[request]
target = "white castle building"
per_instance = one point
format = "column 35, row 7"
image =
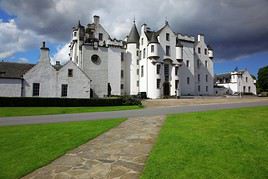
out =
column 159, row 63
column 237, row 81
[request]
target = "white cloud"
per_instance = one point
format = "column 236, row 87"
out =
column 23, row 60
column 15, row 40
column 61, row 55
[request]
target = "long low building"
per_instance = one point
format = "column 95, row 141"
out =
column 43, row 79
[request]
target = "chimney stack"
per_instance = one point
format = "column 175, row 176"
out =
column 96, row 20
column 44, row 53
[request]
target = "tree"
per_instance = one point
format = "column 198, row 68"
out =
column 262, row 82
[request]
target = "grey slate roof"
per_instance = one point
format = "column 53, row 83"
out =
column 133, row 36
column 153, row 38
column 178, row 43
column 14, row 70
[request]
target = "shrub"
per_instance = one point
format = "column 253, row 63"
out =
column 64, row 102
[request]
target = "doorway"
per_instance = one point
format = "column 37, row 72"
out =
column 166, row 89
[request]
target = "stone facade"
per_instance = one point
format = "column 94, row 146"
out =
column 52, row 79
column 238, row 81
column 159, row 63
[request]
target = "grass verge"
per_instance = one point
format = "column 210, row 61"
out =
column 32, row 111
column 28, row 147
column 214, row 144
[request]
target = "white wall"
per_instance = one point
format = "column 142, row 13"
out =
column 10, row 87
column 114, row 69
column 78, row 84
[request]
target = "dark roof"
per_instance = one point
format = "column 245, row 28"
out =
column 153, row 38
column 223, row 76
column 209, row 47
column 133, row 36
column 14, row 70
column 178, row 43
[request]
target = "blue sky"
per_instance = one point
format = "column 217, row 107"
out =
column 235, row 45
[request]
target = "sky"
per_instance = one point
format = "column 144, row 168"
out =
column 236, row 30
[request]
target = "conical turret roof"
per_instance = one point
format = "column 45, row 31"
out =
column 153, row 38
column 133, row 36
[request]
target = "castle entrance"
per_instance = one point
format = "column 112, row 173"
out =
column 166, row 89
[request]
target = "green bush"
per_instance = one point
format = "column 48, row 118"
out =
column 62, row 102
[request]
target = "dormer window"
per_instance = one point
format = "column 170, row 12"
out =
column 167, row 36
column 141, row 41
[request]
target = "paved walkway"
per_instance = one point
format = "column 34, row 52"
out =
column 119, row 153
column 123, row 114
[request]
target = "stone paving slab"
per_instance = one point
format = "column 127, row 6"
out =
column 119, row 153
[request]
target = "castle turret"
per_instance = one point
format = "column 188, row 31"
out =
column 179, row 51
column 210, row 52
column 153, row 47
column 132, row 57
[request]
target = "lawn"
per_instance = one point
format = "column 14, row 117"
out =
column 28, row 147
column 31, row 111
column 215, row 144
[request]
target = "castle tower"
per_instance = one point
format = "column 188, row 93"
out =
column 75, row 46
column 132, row 63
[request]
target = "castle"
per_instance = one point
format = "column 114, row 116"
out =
column 151, row 63
column 158, row 63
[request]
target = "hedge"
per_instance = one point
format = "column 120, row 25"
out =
column 64, row 102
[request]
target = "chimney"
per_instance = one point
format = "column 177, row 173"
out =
column 44, row 53
column 96, row 20
column 144, row 28
column 200, row 37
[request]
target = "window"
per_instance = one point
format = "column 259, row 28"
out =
column 152, row 48
column 166, row 72
column 198, row 88
column 187, row 63
column 137, row 62
column 206, row 78
column 158, row 81
column 167, row 36
column 244, row 89
column 122, row 86
column 138, row 83
column 206, row 51
column 167, row 50
column 198, row 77
column 70, row 72
column 246, row 79
column 141, row 41
column 176, row 71
column 64, row 89
column 95, row 59
column 122, row 73
column 138, row 71
column 249, row 89
column 144, row 53
column 122, row 56
column 188, row 80
column 199, row 50
column 36, row 88
column 176, row 84
column 75, row 34
column 142, row 71
column 206, row 63
column 100, row 36
column 206, row 88
column 158, row 68
column 198, row 63
column 137, row 53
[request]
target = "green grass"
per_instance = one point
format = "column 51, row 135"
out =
column 28, row 147
column 214, row 144
column 32, row 111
